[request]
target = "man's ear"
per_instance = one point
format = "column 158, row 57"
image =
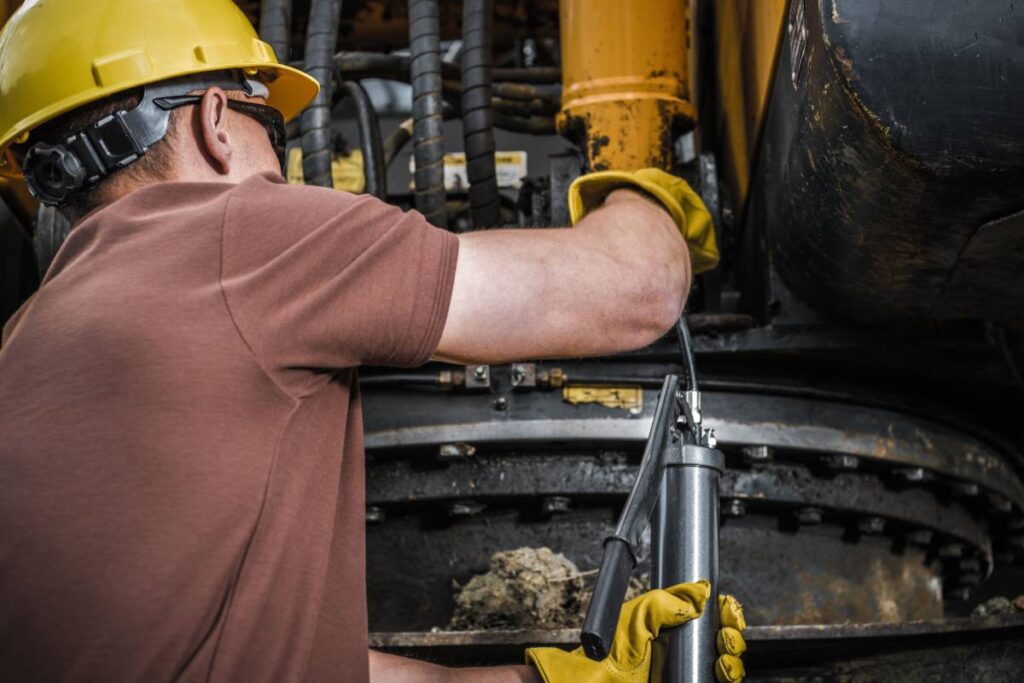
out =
column 213, row 130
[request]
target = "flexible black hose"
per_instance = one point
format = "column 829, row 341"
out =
column 374, row 168
column 276, row 26
column 478, row 112
column 427, row 110
column 686, row 350
column 321, row 36
column 396, row 140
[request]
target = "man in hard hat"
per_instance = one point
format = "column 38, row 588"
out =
column 181, row 444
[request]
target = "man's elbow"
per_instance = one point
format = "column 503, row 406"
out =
column 663, row 301
column 671, row 289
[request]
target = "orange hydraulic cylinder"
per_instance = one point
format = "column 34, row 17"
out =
column 625, row 85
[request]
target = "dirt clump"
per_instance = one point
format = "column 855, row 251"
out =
column 527, row 588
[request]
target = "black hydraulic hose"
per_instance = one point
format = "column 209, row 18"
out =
column 478, row 112
column 276, row 26
column 427, row 110
column 321, row 36
column 396, row 140
column 374, row 168
column 686, row 351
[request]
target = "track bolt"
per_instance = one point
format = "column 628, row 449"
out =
column 374, row 514
column 465, row 508
column 500, row 403
column 952, row 550
column 961, row 593
column 809, row 516
column 841, row 463
column 1004, row 558
column 970, row 565
column 455, row 451
column 912, row 475
column 998, row 503
column 734, row 508
column 871, row 525
column 920, row 537
column 972, row 579
column 551, row 505
column 756, row 454
column 964, row 489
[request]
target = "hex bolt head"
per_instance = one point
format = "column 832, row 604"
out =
column 500, row 403
column 551, row 505
column 920, row 537
column 734, row 508
column 961, row 593
column 964, row 489
column 952, row 550
column 1004, row 557
column 912, row 475
column 970, row 565
column 480, row 372
column 998, row 503
column 374, row 514
column 871, row 525
column 839, row 462
column 455, row 451
column 465, row 508
column 756, row 454
column 971, row 579
column 809, row 515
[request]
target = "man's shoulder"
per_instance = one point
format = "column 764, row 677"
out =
column 292, row 211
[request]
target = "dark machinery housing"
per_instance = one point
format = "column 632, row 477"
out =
column 861, row 347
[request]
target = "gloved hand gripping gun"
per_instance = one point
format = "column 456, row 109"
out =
column 678, row 483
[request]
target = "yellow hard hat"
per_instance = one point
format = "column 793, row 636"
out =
column 57, row 55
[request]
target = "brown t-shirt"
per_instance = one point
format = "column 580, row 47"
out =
column 181, row 443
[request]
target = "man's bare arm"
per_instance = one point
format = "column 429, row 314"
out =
column 385, row 668
column 616, row 281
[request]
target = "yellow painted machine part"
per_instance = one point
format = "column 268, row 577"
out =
column 625, row 86
column 747, row 37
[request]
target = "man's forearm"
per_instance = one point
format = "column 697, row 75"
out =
column 615, row 282
column 385, row 668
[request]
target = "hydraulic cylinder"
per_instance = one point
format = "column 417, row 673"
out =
column 625, row 84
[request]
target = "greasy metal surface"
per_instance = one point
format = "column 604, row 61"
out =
column 853, row 634
column 954, row 650
column 488, row 477
column 625, row 86
column 798, row 425
column 890, row 139
column 992, row 258
column 783, row 575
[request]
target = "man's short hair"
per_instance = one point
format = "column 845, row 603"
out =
column 150, row 165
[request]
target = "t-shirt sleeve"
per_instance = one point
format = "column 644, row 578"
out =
column 317, row 279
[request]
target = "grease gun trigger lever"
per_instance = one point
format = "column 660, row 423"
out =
column 620, row 549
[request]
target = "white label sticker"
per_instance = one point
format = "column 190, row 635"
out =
column 510, row 167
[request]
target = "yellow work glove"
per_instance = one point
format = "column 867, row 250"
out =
column 684, row 205
column 640, row 622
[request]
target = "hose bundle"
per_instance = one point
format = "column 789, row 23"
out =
column 321, row 36
column 478, row 112
column 276, row 26
column 427, row 110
